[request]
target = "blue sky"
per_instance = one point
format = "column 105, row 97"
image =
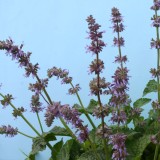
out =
column 55, row 32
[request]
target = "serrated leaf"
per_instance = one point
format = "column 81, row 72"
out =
column 56, row 148
column 150, row 87
column 136, row 147
column 90, row 155
column 92, row 105
column 141, row 102
column 39, row 144
column 64, row 153
column 59, row 131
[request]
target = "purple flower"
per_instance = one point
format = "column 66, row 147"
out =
column 18, row 112
column 116, row 16
column 74, row 90
column 8, row 131
column 120, row 59
column 95, row 89
column 36, row 106
column 119, row 117
column 118, row 142
column 18, row 54
column 96, row 66
column 156, row 22
column 155, row 44
column 118, row 42
column 70, row 115
column 155, row 73
column 97, row 44
column 156, row 5
column 52, row 112
column 7, row 100
column 156, row 105
column 38, row 86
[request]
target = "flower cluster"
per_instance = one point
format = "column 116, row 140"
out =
column 18, row 54
column 63, row 74
column 70, row 115
column 7, row 100
column 36, row 105
column 18, row 112
column 38, row 86
column 156, row 5
column 8, row 131
column 119, row 149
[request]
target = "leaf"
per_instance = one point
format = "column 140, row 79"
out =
column 92, row 105
column 59, row 131
column 56, row 148
column 90, row 155
column 141, row 102
column 150, row 87
column 64, row 153
column 136, row 146
column 39, row 144
column 79, row 108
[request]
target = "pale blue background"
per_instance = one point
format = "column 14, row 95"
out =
column 55, row 31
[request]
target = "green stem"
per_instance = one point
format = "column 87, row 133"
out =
column 86, row 114
column 156, row 152
column 29, row 124
column 25, row 135
column 158, row 82
column 39, row 121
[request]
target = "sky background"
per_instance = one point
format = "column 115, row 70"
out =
column 55, row 32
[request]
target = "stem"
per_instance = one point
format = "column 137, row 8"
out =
column 39, row 121
column 25, row 135
column 102, row 115
column 158, row 82
column 86, row 114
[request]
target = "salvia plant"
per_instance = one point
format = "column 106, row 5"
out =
column 114, row 139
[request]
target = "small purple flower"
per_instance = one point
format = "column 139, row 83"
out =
column 156, row 22
column 74, row 90
column 18, row 112
column 7, row 100
column 38, row 86
column 95, row 90
column 118, row 142
column 155, row 72
column 8, row 131
column 116, row 16
column 118, row 42
column 156, row 5
column 156, row 105
column 52, row 112
column 119, row 117
column 96, row 66
column 97, row 44
column 36, row 106
column 31, row 70
column 121, row 59
column 155, row 44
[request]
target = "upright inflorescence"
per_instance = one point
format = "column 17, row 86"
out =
column 155, row 72
column 70, row 115
column 118, row 89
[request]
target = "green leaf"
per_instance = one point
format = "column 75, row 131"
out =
column 92, row 105
column 59, row 131
column 151, row 87
column 69, row 151
column 79, row 108
column 136, row 146
column 141, row 102
column 56, row 148
column 90, row 155
column 39, row 144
